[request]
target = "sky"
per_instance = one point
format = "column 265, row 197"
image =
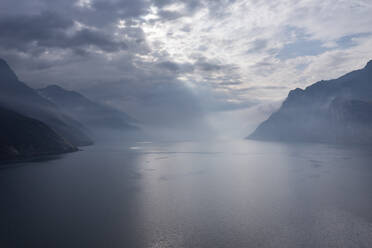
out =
column 178, row 63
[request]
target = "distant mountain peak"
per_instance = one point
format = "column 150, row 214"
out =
column 3, row 62
column 55, row 90
column 369, row 65
column 6, row 72
column 92, row 114
column 333, row 111
column 54, row 87
column 17, row 96
column 296, row 92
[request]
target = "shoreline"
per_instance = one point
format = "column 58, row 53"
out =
column 34, row 158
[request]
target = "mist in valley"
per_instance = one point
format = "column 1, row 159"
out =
column 173, row 123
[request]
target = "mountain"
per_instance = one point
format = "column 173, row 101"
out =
column 91, row 114
column 333, row 111
column 23, row 137
column 17, row 96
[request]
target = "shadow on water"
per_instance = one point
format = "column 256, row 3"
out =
column 84, row 199
column 237, row 194
column 28, row 161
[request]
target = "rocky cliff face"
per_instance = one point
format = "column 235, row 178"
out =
column 24, row 137
column 335, row 111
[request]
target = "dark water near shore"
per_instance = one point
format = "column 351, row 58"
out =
column 226, row 194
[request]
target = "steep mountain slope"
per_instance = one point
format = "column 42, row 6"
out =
column 23, row 137
column 17, row 96
column 335, row 111
column 91, row 114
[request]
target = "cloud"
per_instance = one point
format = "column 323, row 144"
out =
column 124, row 8
column 348, row 41
column 37, row 33
column 180, row 56
column 168, row 65
column 258, row 45
column 163, row 103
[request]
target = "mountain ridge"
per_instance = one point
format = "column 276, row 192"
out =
column 23, row 137
column 17, row 96
column 92, row 114
column 310, row 114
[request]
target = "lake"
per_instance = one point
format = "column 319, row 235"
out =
column 191, row 194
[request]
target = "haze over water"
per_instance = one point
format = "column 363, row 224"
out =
column 186, row 194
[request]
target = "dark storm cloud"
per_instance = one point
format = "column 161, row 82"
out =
column 215, row 7
column 19, row 31
column 191, row 4
column 168, row 65
column 167, row 15
column 50, row 30
column 124, row 8
column 43, row 42
column 33, row 26
column 208, row 66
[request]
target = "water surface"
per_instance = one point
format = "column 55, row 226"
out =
column 185, row 194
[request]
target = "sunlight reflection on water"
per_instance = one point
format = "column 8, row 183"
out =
column 185, row 194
